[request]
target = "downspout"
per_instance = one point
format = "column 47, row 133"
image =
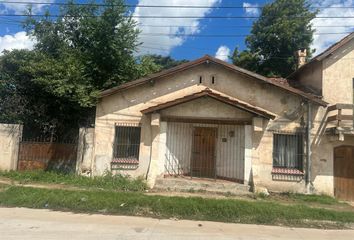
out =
column 308, row 145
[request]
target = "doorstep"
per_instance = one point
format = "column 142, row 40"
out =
column 200, row 185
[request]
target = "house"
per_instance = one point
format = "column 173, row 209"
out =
column 211, row 119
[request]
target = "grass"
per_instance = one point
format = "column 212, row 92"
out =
column 193, row 208
column 106, row 182
column 307, row 198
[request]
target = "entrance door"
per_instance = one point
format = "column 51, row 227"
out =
column 344, row 173
column 203, row 157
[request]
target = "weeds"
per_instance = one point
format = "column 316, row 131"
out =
column 194, row 208
column 107, row 181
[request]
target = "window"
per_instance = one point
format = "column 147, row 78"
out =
column 200, row 79
column 127, row 143
column 212, row 79
column 288, row 151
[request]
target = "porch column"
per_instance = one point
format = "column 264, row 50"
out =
column 158, row 149
column 248, row 154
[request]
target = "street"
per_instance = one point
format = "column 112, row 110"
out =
column 22, row 223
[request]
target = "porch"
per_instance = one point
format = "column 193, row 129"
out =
column 207, row 150
column 204, row 135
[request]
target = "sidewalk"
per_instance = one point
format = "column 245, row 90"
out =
column 30, row 224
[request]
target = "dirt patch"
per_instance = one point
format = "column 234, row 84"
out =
column 7, row 182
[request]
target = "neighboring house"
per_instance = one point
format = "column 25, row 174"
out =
column 208, row 118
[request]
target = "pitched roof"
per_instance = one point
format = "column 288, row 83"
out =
column 207, row 60
column 326, row 53
column 209, row 93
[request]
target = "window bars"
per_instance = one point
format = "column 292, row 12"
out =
column 126, row 146
column 288, row 150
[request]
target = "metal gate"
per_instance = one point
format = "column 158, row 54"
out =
column 38, row 154
column 205, row 150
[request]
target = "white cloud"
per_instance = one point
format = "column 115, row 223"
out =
column 17, row 41
column 223, row 53
column 20, row 8
column 164, row 44
column 251, row 9
column 321, row 42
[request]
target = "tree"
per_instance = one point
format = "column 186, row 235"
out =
column 98, row 41
column 283, row 27
column 86, row 49
column 165, row 62
column 24, row 99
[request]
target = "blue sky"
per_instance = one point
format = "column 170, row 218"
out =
column 12, row 35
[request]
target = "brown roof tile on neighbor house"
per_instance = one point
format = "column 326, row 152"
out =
column 326, row 53
column 208, row 60
column 209, row 93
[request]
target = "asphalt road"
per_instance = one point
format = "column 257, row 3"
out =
column 22, row 223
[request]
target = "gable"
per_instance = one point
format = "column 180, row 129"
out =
column 208, row 102
column 207, row 61
column 206, row 108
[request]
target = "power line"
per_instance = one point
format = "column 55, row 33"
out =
column 227, row 26
column 157, row 6
column 214, row 50
column 170, row 17
column 210, row 26
column 219, row 35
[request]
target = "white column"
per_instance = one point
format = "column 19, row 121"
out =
column 248, row 153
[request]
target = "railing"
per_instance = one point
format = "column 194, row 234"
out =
column 341, row 114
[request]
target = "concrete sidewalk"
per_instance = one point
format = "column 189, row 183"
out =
column 22, row 223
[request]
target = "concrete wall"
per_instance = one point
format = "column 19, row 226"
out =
column 311, row 76
column 125, row 107
column 10, row 135
column 85, row 151
column 338, row 74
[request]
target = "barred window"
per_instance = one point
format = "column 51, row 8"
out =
column 288, row 151
column 127, row 142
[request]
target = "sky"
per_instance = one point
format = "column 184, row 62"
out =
column 192, row 46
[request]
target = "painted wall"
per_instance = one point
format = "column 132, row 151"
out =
column 126, row 105
column 338, row 74
column 10, row 135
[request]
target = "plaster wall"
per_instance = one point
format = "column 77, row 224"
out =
column 125, row 106
column 10, row 135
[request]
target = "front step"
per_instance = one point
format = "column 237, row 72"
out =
column 179, row 184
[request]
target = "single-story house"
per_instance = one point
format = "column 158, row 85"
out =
column 210, row 119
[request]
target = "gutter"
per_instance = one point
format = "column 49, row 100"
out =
column 308, row 145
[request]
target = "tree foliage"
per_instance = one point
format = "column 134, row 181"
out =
column 87, row 49
column 165, row 62
column 284, row 27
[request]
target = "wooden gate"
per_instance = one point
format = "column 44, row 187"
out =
column 47, row 156
column 344, row 172
column 203, row 157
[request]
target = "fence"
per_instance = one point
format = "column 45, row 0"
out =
column 39, row 154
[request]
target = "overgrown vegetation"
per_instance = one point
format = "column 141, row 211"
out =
column 88, row 48
column 106, row 182
column 194, row 208
column 320, row 199
column 284, row 26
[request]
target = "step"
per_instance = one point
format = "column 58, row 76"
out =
column 201, row 185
